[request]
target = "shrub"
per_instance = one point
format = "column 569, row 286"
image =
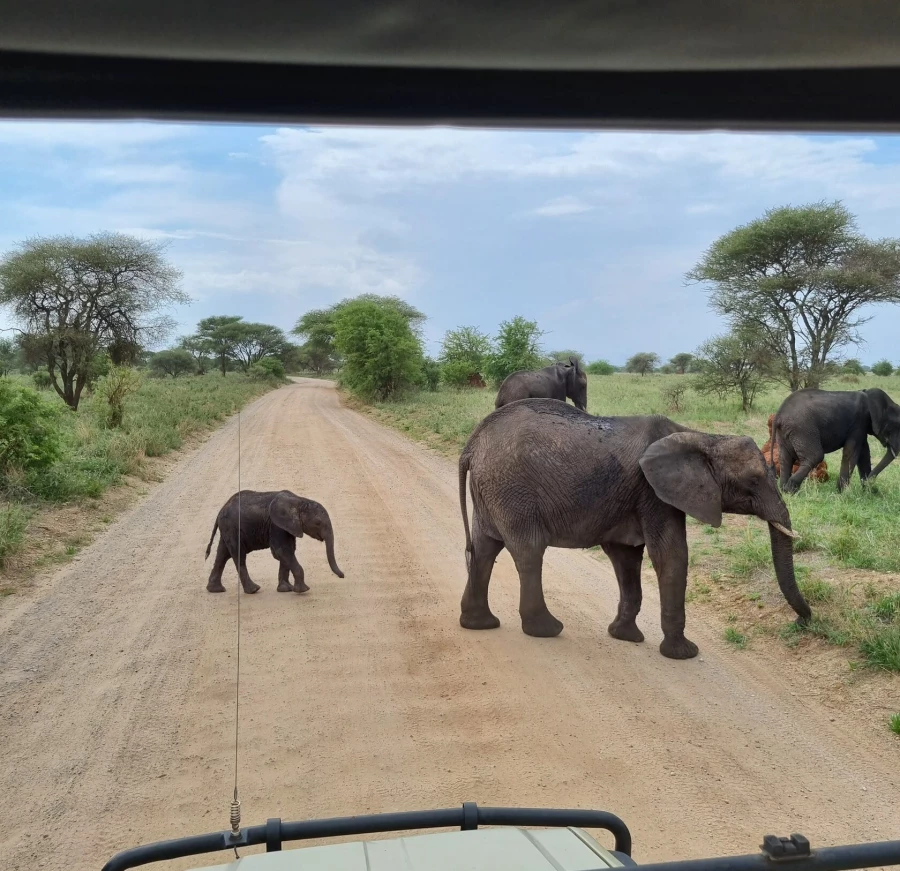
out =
column 115, row 387
column 673, row 395
column 42, row 379
column 883, row 368
column 431, row 373
column 463, row 355
column 29, row 436
column 601, row 367
column 642, row 363
column 517, row 348
column 267, row 368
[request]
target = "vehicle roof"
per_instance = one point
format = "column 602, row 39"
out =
column 677, row 63
column 664, row 35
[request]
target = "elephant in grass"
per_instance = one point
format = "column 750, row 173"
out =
column 558, row 381
column 273, row 520
column 811, row 423
column 544, row 474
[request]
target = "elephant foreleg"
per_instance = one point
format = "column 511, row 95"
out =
column 626, row 561
column 284, row 583
column 297, row 572
column 669, row 553
column 849, row 460
column 214, row 584
column 536, row 617
column 475, row 613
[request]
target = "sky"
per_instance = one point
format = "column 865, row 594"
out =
column 590, row 234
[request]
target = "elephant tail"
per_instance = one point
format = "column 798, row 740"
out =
column 463, row 472
column 209, row 546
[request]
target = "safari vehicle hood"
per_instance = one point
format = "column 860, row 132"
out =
column 569, row 849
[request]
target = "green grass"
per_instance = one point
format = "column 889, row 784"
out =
column 158, row 419
column 894, row 723
column 13, row 523
column 881, row 648
column 735, row 638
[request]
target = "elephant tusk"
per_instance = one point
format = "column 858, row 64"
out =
column 788, row 532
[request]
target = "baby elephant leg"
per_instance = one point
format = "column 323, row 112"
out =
column 284, row 583
column 214, row 584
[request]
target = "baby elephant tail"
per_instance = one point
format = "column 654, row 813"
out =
column 209, row 546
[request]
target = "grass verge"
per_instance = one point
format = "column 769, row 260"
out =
column 42, row 520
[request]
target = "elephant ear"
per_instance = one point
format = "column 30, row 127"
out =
column 678, row 470
column 285, row 512
column 879, row 410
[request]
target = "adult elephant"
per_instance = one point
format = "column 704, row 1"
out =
column 559, row 381
column 271, row 520
column 811, row 423
column 544, row 474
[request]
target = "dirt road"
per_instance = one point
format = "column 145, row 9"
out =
column 117, row 689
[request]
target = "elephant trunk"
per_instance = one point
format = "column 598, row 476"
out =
column 329, row 552
column 783, row 560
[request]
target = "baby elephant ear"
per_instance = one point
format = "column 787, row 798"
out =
column 678, row 470
column 284, row 511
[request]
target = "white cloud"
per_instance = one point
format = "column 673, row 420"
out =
column 561, row 207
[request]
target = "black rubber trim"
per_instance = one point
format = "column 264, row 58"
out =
column 372, row 823
column 273, row 835
column 49, row 85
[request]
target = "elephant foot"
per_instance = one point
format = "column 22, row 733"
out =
column 678, row 647
column 301, row 588
column 215, row 588
column 483, row 619
column 625, row 630
column 251, row 588
column 543, row 625
column 285, row 587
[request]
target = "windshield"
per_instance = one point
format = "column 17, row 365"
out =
column 356, row 327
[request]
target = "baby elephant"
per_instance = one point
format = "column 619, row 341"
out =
column 273, row 520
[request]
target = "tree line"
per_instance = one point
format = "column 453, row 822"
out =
column 794, row 287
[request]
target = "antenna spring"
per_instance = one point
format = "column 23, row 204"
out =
column 235, row 817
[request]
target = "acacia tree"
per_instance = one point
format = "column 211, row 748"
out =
column 680, row 363
column 218, row 335
column 800, row 277
column 252, row 342
column 642, row 363
column 76, row 299
column 198, row 348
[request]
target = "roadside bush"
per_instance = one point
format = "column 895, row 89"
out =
column 382, row 355
column 115, row 387
column 269, row 368
column 29, row 438
column 883, row 368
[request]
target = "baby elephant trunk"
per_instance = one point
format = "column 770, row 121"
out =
column 329, row 552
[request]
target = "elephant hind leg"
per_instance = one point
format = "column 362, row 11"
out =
column 536, row 617
column 475, row 613
column 626, row 561
column 214, row 584
column 246, row 581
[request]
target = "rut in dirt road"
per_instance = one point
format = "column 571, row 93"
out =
column 117, row 698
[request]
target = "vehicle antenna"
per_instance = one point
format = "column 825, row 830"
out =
column 235, row 816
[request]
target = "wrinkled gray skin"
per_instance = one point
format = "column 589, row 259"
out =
column 544, row 474
column 273, row 520
column 558, row 381
column 812, row 423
